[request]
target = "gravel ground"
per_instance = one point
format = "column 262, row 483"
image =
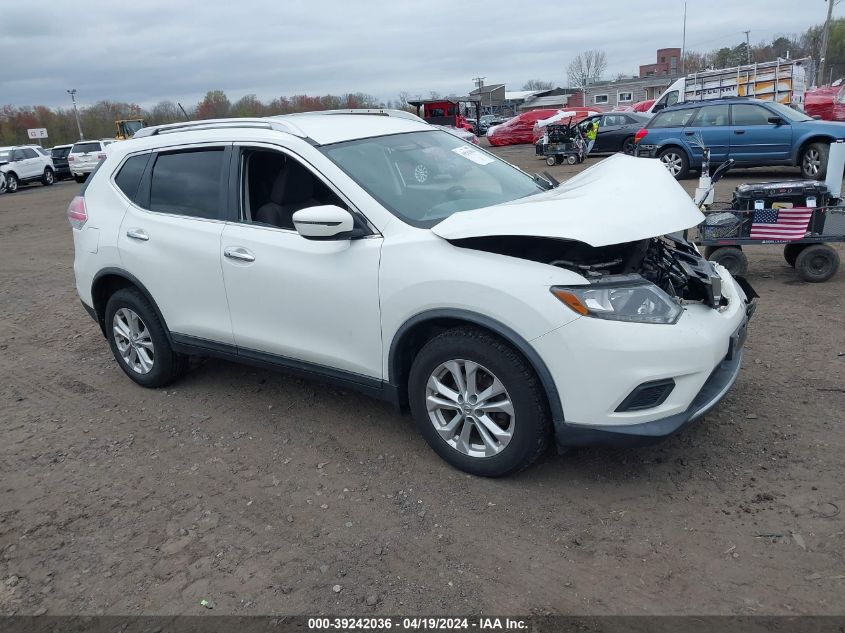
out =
column 266, row 494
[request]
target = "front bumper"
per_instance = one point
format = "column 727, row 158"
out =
column 596, row 365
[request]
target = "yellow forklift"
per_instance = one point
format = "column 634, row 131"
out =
column 125, row 128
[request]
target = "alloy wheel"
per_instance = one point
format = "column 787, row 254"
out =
column 11, row 183
column 133, row 341
column 470, row 408
column 48, row 177
column 812, row 162
column 673, row 162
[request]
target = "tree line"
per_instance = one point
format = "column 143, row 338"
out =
column 97, row 120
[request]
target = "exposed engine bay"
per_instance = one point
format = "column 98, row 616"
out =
column 669, row 262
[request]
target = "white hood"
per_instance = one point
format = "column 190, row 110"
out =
column 621, row 199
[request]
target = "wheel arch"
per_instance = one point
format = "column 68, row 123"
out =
column 674, row 144
column 110, row 280
column 416, row 331
column 813, row 138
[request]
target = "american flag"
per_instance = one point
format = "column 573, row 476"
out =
column 780, row 224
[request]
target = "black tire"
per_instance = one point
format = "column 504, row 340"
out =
column 167, row 364
column 817, row 263
column 791, row 252
column 629, row 146
column 732, row 258
column 550, row 161
column 531, row 420
column 80, row 179
column 48, row 178
column 12, row 182
column 814, row 161
column 676, row 162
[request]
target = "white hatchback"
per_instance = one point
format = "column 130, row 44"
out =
column 502, row 309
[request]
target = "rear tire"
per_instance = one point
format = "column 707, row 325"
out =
column 12, row 183
column 550, row 161
column 791, row 252
column 732, row 258
column 814, row 161
column 79, row 178
column 629, row 146
column 48, row 178
column 675, row 161
column 143, row 337
column 817, row 263
column 511, row 426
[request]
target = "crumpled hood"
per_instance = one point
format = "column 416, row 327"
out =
column 621, row 199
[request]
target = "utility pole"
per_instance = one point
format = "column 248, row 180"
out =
column 748, row 45
column 72, row 93
column 825, row 37
column 684, row 39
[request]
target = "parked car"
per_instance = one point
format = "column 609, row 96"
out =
column 22, row 165
column 59, row 155
column 754, row 133
column 826, row 102
column 520, row 129
column 500, row 310
column 616, row 131
column 84, row 157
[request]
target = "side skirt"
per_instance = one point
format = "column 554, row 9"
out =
column 372, row 387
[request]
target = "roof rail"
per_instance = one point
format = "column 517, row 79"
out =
column 269, row 123
column 400, row 114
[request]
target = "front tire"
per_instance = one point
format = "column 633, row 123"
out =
column 814, row 161
column 138, row 341
column 12, row 183
column 478, row 403
column 817, row 263
column 675, row 160
column 48, row 178
column 732, row 258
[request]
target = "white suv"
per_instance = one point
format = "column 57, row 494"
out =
column 84, row 157
column 500, row 309
column 22, row 164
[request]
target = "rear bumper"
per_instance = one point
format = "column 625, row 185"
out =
column 717, row 385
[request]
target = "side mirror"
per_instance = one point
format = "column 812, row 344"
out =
column 325, row 222
column 657, row 107
column 775, row 120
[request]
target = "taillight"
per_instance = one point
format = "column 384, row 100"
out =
column 70, row 159
column 640, row 135
column 101, row 156
column 77, row 214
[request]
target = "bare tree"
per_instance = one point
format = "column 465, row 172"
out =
column 586, row 68
column 537, row 84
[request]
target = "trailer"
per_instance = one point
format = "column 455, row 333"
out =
column 782, row 80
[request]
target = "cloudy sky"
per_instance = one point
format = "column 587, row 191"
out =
column 146, row 51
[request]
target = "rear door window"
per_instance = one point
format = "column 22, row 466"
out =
column 129, row 175
column 673, row 118
column 713, row 115
column 28, row 152
column 83, row 148
column 188, row 183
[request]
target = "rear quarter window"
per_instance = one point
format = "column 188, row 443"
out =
column 673, row 118
column 128, row 177
column 82, row 148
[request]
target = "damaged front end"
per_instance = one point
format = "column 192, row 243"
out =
column 669, row 263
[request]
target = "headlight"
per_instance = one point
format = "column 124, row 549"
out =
column 635, row 302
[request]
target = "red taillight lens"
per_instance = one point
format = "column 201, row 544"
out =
column 101, row 156
column 640, row 135
column 70, row 159
column 77, row 214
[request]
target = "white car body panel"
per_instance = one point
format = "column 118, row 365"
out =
column 601, row 205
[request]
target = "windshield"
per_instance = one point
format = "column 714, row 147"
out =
column 130, row 127
column 788, row 113
column 424, row 177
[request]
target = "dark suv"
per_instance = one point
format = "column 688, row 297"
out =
column 754, row 133
column 59, row 154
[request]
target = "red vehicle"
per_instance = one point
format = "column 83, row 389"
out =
column 448, row 111
column 520, row 129
column 639, row 106
column 827, row 102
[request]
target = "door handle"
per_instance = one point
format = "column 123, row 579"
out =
column 138, row 234
column 690, row 133
column 739, row 131
column 239, row 253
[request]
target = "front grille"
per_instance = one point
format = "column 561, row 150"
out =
column 647, row 395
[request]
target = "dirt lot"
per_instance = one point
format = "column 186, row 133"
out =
column 261, row 492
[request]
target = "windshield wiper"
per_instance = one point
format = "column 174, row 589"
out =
column 546, row 181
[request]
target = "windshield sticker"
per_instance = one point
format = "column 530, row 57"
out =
column 473, row 154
